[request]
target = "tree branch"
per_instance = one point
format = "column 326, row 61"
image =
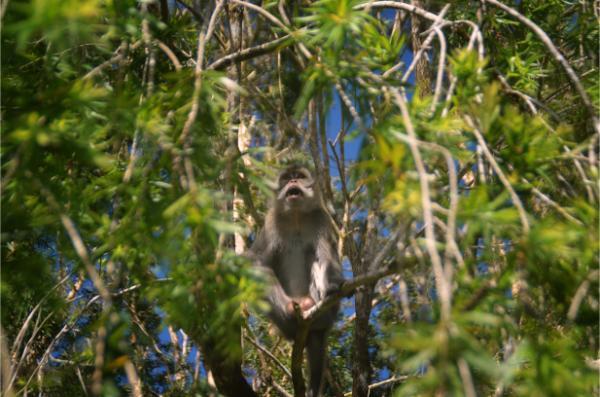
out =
column 252, row 52
column 401, row 6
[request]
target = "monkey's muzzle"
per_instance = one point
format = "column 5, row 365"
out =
column 294, row 193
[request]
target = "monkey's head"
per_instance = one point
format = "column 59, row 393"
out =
column 296, row 191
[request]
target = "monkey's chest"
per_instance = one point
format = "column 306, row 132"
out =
column 294, row 269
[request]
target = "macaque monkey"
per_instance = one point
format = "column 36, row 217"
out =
column 295, row 249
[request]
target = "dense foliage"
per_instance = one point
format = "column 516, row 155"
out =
column 456, row 142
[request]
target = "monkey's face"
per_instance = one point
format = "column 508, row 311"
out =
column 296, row 191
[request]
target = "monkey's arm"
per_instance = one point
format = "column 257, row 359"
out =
column 326, row 276
column 280, row 301
column 263, row 257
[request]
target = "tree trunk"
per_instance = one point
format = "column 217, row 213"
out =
column 422, row 70
column 361, row 369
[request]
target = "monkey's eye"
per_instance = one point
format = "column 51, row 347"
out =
column 291, row 175
column 283, row 179
column 298, row 175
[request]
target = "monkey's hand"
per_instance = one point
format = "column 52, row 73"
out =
column 305, row 303
column 289, row 307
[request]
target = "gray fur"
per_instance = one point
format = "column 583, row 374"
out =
column 296, row 250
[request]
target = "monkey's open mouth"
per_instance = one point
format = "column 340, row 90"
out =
column 293, row 193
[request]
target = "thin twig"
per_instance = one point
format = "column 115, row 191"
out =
column 69, row 326
column 276, row 21
column 133, row 378
column 385, row 382
column 81, row 381
column 350, row 106
column 19, row 338
column 398, row 5
column 424, row 46
column 249, row 53
column 490, row 157
column 266, row 351
column 404, row 302
column 442, row 283
column 347, row 288
column 475, row 36
column 580, row 294
column 77, row 242
column 281, row 8
column 121, row 51
column 453, row 179
column 149, row 49
column 552, row 203
column 281, row 389
column 12, row 166
column 526, row 98
column 467, row 379
column 440, row 69
column 33, row 337
column 203, row 38
column 3, row 7
column 99, row 359
column 43, row 360
column 5, row 367
column 375, row 301
column 586, row 182
column 191, row 10
column 170, row 54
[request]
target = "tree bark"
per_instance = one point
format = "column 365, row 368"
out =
column 422, row 70
column 361, row 370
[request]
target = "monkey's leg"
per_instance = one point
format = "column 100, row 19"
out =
column 316, row 351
